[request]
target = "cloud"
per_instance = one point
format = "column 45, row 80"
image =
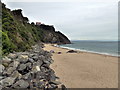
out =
column 77, row 20
column 60, row 0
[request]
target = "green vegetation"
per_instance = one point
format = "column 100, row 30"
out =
column 17, row 34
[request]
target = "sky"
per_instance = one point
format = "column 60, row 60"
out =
column 78, row 20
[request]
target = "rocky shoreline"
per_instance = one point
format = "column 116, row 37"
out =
column 28, row 70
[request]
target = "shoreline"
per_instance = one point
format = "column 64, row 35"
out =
column 85, row 51
column 84, row 69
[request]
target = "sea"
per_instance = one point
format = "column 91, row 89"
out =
column 101, row 47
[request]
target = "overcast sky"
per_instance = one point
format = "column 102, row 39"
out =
column 77, row 20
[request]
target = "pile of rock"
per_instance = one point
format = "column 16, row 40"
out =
column 30, row 69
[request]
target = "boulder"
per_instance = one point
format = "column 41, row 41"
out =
column 63, row 87
column 35, row 69
column 14, row 64
column 46, row 62
column 31, row 60
column 71, row 51
column 28, row 70
column 29, row 65
column 55, row 82
column 10, row 70
column 23, row 58
column 21, row 84
column 7, row 81
column 1, row 77
column 41, row 84
column 12, row 56
column 40, row 75
column 5, row 64
column 16, row 74
column 1, row 87
column 22, row 67
column 6, row 60
column 41, row 57
column 1, row 68
column 27, row 76
column 39, row 62
column 35, row 58
column 53, row 86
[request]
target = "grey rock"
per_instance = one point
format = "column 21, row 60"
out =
column 41, row 57
column 41, row 84
column 55, row 82
column 1, row 68
column 5, row 64
column 21, row 84
column 36, row 51
column 48, row 53
column 12, row 56
column 22, row 67
column 29, row 70
column 25, row 53
column 16, row 74
column 7, row 81
column 14, row 64
column 6, row 60
column 63, row 87
column 23, row 58
column 31, row 60
column 39, row 63
column 43, row 69
column 29, row 65
column 26, row 76
column 1, row 77
column 40, row 75
column 10, row 70
column 31, row 55
column 35, row 69
column 46, row 62
column 51, row 61
column 46, row 66
column 22, row 53
column 42, row 52
column 35, row 58
column 52, row 78
column 1, row 87
column 53, row 86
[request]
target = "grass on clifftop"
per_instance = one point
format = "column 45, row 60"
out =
column 17, row 35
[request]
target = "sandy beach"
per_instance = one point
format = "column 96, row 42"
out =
column 84, row 70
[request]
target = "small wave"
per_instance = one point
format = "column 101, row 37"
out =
column 103, row 53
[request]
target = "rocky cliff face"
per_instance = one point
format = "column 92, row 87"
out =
column 19, row 35
column 52, row 36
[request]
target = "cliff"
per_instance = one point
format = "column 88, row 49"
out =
column 52, row 36
column 19, row 35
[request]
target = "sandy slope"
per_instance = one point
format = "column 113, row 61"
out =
column 85, row 70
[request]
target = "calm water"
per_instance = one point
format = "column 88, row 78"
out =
column 102, row 47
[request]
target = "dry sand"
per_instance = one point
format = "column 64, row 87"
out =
column 84, row 70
